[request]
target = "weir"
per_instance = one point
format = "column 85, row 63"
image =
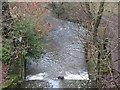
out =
column 65, row 56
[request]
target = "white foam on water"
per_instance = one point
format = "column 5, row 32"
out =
column 81, row 76
column 68, row 76
column 55, row 83
column 39, row 76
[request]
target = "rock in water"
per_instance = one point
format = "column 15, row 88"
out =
column 61, row 77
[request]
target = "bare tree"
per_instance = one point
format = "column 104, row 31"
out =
column 97, row 22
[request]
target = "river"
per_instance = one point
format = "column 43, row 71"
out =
column 64, row 57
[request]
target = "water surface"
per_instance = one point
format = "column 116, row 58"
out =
column 64, row 56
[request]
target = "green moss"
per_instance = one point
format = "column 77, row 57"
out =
column 8, row 77
column 91, row 69
column 11, row 83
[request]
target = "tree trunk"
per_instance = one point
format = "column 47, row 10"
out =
column 97, row 22
column 90, row 16
column 95, row 31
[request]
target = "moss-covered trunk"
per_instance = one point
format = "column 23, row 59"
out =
column 97, row 22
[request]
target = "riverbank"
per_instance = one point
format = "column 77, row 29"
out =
column 80, row 13
column 64, row 47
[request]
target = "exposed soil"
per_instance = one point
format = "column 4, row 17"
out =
column 4, row 72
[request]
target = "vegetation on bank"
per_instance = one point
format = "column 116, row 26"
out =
column 24, row 27
column 100, row 46
column 11, row 82
column 23, row 30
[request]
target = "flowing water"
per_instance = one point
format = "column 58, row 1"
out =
column 64, row 57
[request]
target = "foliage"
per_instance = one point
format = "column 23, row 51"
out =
column 24, row 29
column 11, row 82
column 26, row 33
